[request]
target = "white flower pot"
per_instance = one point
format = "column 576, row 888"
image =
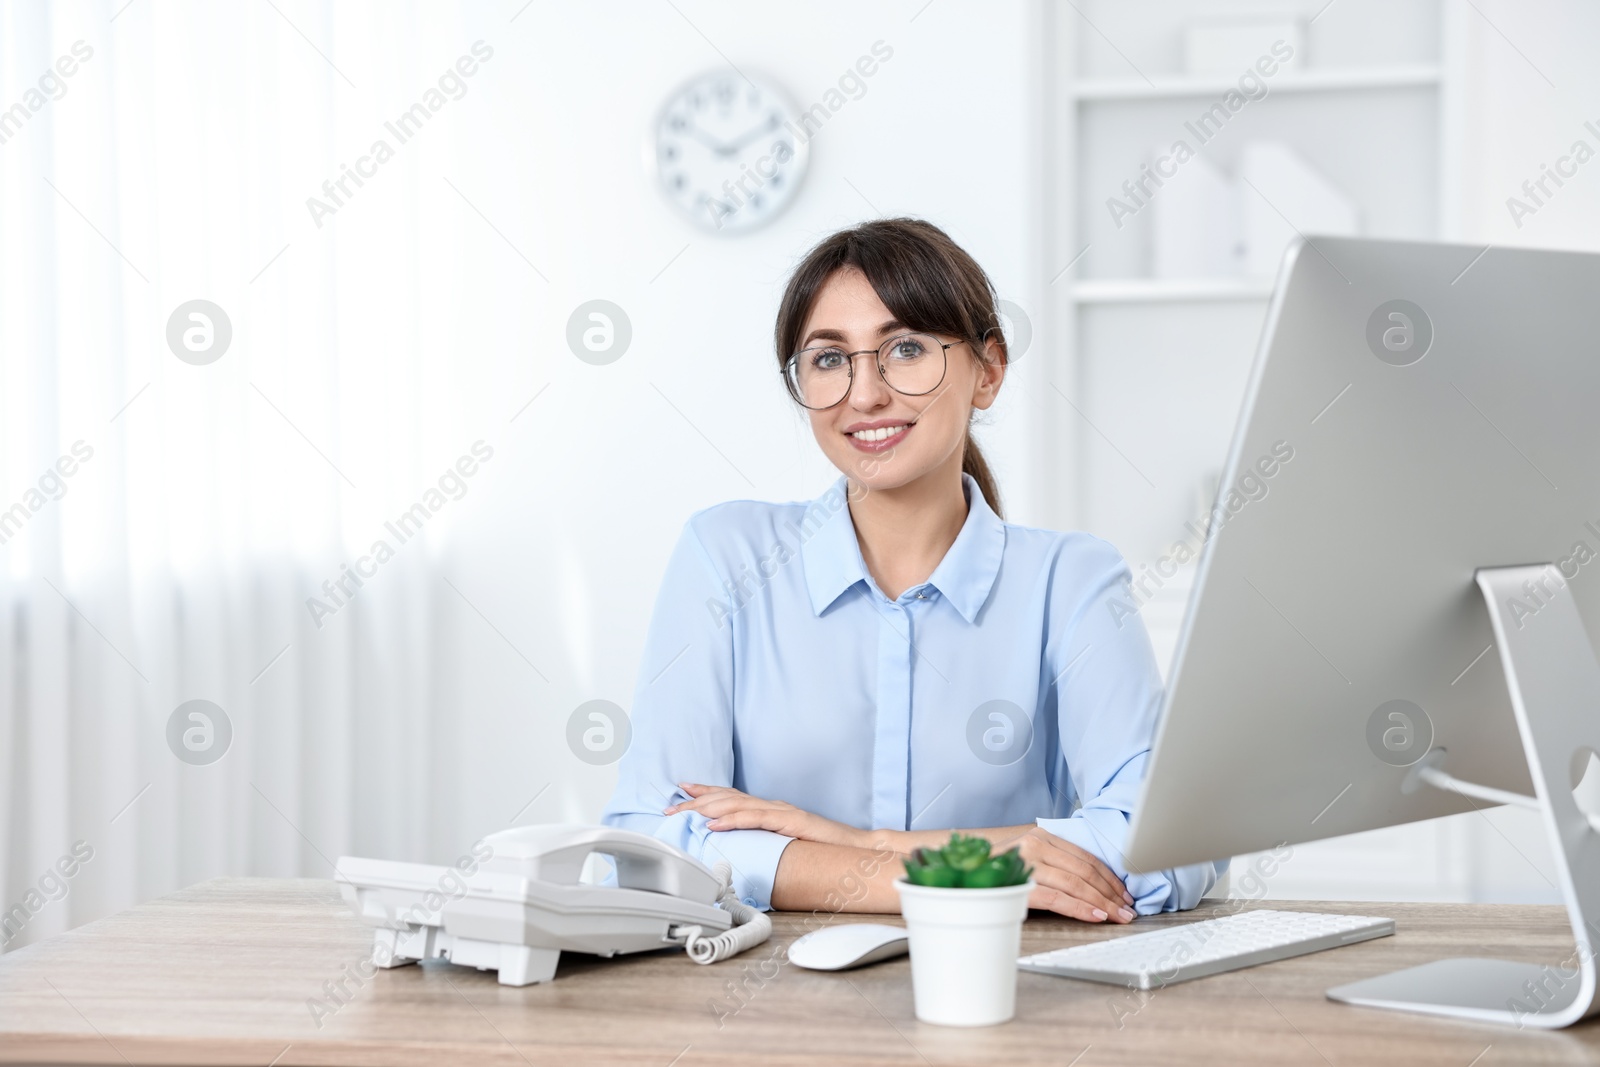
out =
column 964, row 948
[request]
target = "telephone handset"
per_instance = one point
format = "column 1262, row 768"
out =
column 517, row 903
column 557, row 853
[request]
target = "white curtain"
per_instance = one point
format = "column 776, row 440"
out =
column 175, row 562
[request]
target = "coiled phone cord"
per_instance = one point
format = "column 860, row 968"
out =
column 750, row 927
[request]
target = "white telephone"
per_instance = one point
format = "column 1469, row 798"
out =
column 523, row 905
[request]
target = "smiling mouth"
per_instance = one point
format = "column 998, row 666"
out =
column 882, row 433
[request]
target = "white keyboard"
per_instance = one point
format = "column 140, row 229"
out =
column 1211, row 946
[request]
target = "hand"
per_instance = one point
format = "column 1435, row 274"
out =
column 709, row 141
column 769, row 125
column 1070, row 881
column 729, row 809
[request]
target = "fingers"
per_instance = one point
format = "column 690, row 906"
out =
column 729, row 809
column 719, row 804
column 1105, row 874
column 725, row 806
column 750, row 819
column 1060, row 853
column 695, row 789
column 1047, row 899
column 1068, row 884
column 700, row 792
column 1068, row 869
column 1096, row 874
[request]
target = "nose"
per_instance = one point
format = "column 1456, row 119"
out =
column 868, row 390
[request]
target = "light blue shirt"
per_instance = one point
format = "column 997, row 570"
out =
column 1003, row 690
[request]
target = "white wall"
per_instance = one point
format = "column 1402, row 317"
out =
column 1531, row 87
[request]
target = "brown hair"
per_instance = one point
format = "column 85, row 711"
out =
column 924, row 278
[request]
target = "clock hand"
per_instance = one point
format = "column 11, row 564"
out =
column 710, row 142
column 771, row 124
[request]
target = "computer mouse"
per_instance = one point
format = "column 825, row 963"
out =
column 838, row 948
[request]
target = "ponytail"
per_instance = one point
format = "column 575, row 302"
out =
column 973, row 463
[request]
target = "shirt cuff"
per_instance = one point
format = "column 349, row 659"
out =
column 753, row 855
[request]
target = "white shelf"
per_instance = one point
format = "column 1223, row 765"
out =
column 1155, row 290
column 1308, row 81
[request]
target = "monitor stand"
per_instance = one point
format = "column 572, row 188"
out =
column 1554, row 684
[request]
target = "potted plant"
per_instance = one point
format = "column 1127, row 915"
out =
column 964, row 910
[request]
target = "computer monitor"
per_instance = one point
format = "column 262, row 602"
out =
column 1419, row 416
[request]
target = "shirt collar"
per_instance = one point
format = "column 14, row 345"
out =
column 833, row 561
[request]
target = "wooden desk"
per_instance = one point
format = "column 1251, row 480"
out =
column 221, row 974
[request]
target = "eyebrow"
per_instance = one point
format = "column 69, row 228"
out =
column 826, row 334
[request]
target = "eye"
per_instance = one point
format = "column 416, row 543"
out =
column 906, row 348
column 827, row 358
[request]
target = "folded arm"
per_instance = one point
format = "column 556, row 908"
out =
column 830, row 861
column 1106, row 696
column 682, row 724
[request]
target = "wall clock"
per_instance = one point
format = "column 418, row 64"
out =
column 728, row 151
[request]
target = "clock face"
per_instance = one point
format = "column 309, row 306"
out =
column 727, row 152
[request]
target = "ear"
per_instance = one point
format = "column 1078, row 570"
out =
column 991, row 375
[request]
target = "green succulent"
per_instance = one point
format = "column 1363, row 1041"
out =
column 965, row 863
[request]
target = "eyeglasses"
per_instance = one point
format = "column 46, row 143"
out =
column 911, row 363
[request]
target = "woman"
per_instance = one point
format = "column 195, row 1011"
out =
column 828, row 685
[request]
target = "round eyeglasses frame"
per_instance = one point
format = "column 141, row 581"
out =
column 790, row 375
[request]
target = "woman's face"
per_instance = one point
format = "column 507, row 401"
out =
column 880, row 438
